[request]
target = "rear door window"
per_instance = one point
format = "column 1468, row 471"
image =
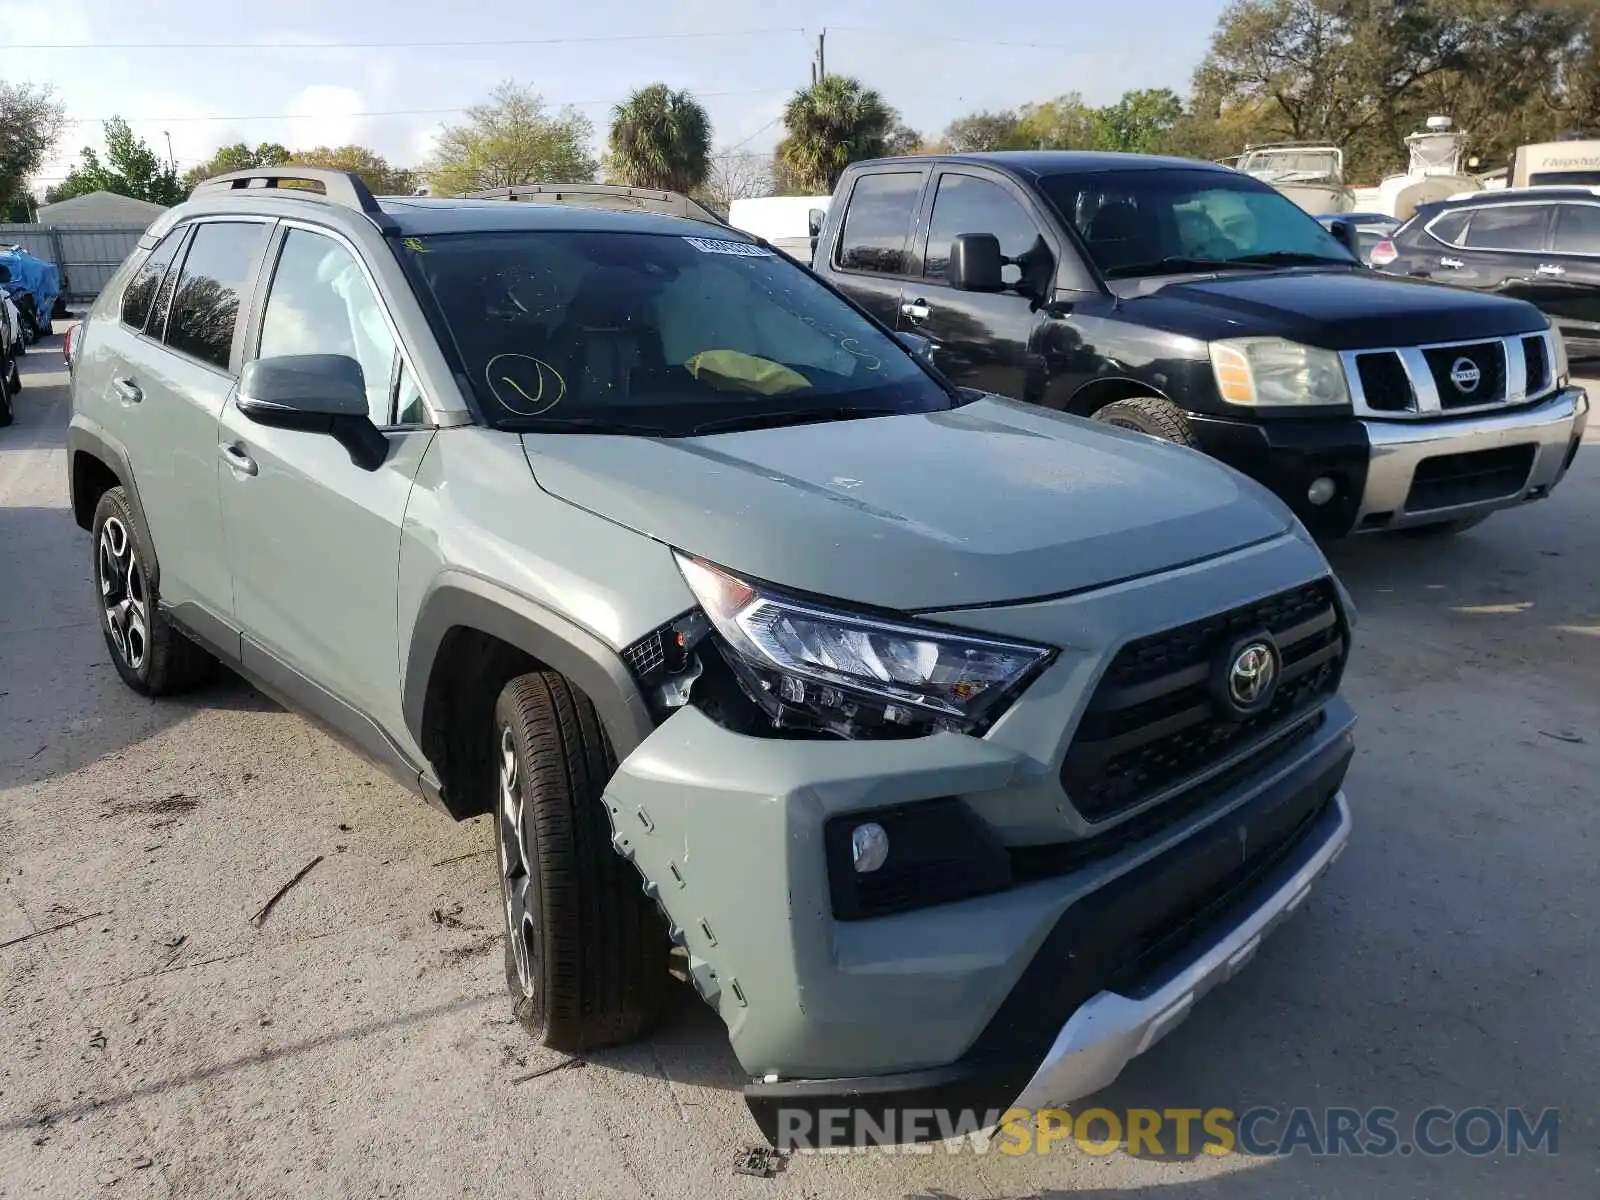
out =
column 1578, row 229
column 877, row 223
column 217, row 275
column 140, row 296
column 1510, row 227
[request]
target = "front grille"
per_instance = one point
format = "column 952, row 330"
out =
column 1537, row 360
column 646, row 655
column 1153, row 721
column 1384, row 381
column 1447, row 480
column 1489, row 358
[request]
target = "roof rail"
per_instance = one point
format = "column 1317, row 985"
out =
column 344, row 188
column 603, row 195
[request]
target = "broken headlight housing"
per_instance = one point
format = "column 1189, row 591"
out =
column 811, row 667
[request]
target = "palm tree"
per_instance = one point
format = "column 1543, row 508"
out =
column 832, row 124
column 660, row 139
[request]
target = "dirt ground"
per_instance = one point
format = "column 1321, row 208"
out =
column 357, row 1041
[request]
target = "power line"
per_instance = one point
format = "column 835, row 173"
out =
column 389, row 112
column 432, row 44
column 903, row 35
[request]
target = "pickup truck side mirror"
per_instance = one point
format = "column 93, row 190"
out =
column 314, row 393
column 814, row 222
column 1348, row 236
column 975, row 263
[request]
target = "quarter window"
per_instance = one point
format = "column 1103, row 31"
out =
column 217, row 271
column 1512, row 227
column 966, row 204
column 321, row 303
column 877, row 224
column 1450, row 227
column 1578, row 229
column 140, row 295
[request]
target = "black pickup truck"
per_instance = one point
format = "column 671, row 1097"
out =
column 1191, row 302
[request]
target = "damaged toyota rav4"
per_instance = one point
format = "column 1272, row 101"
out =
column 951, row 748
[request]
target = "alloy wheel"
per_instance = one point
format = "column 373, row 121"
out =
column 122, row 593
column 516, row 864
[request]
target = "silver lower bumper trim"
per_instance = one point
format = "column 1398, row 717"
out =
column 1110, row 1030
column 1399, row 447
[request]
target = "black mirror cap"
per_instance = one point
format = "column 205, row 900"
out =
column 975, row 263
column 1348, row 236
column 291, row 389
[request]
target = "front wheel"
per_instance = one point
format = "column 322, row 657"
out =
column 1146, row 414
column 586, row 953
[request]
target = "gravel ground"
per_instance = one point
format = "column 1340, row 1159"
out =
column 357, row 1042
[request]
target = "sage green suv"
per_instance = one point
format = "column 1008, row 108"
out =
column 950, row 747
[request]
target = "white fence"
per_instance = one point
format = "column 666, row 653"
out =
column 85, row 255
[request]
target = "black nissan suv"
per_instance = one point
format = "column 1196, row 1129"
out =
column 1191, row 302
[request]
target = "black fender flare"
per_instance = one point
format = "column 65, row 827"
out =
column 1096, row 393
column 457, row 599
column 83, row 438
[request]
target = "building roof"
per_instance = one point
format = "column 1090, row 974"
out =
column 99, row 208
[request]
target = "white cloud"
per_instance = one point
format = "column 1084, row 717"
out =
column 42, row 24
column 325, row 115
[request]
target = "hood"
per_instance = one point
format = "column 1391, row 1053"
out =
column 991, row 502
column 1338, row 310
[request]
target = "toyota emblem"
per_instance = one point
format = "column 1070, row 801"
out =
column 1464, row 373
column 1253, row 676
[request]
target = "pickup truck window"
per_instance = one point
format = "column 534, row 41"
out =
column 877, row 223
column 1144, row 222
column 658, row 335
column 967, row 204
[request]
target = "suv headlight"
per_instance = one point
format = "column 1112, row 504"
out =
column 1273, row 373
column 854, row 674
column 1562, row 368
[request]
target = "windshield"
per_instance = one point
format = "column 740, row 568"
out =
column 657, row 334
column 1292, row 165
column 1162, row 222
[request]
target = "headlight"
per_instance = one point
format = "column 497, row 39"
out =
column 854, row 674
column 1563, row 369
column 1272, row 372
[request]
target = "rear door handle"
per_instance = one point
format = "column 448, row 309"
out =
column 127, row 390
column 241, row 463
column 917, row 310
column 1550, row 269
column 1455, row 264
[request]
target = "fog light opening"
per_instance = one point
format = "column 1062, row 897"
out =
column 869, row 847
column 1322, row 490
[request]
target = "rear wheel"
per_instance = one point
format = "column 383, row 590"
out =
column 586, row 953
column 30, row 327
column 149, row 652
column 1146, row 414
column 1445, row 528
column 6, row 394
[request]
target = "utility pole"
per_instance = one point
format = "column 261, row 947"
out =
column 822, row 55
column 171, row 158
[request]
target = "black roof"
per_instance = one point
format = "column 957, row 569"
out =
column 1036, row 163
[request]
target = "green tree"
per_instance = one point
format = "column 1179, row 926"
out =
column 660, row 139
column 1140, row 122
column 131, row 168
column 903, row 139
column 1065, row 123
column 830, row 125
column 31, row 121
column 984, row 131
column 381, row 179
column 512, row 139
column 237, row 157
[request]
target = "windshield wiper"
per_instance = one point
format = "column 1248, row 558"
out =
column 1176, row 262
column 579, row 425
column 793, row 416
column 1280, row 258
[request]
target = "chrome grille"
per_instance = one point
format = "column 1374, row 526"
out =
column 1415, row 381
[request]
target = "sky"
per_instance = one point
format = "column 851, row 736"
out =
column 329, row 72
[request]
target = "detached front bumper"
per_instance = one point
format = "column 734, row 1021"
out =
column 1390, row 474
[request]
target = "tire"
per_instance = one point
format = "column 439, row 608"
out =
column 6, row 400
column 1444, row 528
column 21, row 346
column 149, row 652
column 586, row 950
column 1146, row 414
column 30, row 328
column 14, row 379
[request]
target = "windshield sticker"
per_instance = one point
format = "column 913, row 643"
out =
column 527, row 386
column 414, row 246
column 737, row 249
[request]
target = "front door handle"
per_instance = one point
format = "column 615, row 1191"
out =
column 1552, row 270
column 241, row 463
column 127, row 390
column 916, row 310
column 1455, row 264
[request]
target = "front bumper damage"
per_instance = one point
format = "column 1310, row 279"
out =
column 1039, row 992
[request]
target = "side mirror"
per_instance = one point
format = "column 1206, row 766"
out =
column 1348, row 236
column 921, row 348
column 314, row 393
column 815, row 220
column 975, row 263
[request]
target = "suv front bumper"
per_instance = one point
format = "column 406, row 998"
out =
column 1396, row 473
